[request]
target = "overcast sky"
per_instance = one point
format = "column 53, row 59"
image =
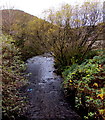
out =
column 36, row 7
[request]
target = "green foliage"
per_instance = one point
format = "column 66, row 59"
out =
column 31, row 39
column 89, row 81
column 29, row 32
column 12, row 78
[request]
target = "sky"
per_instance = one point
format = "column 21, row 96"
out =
column 36, row 7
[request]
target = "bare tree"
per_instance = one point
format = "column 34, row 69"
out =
column 8, row 18
column 77, row 30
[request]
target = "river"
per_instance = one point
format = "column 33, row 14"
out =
column 45, row 92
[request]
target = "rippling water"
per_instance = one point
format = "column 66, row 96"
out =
column 45, row 94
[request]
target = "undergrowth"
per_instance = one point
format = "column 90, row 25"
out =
column 12, row 79
column 88, row 81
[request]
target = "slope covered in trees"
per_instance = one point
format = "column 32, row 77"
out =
column 11, row 17
column 29, row 32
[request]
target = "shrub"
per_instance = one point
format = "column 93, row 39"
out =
column 88, row 79
column 12, row 79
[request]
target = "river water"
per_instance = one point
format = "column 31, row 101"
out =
column 45, row 93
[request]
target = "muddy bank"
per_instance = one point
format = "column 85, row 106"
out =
column 45, row 93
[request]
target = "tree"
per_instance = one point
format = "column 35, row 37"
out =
column 77, row 29
column 8, row 19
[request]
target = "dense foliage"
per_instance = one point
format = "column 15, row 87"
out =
column 12, row 79
column 88, row 80
column 66, row 30
column 76, row 33
column 29, row 32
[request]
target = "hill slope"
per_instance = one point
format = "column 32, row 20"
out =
column 11, row 17
column 28, row 31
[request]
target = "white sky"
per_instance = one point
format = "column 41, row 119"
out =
column 36, row 7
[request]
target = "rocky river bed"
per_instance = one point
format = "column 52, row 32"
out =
column 45, row 92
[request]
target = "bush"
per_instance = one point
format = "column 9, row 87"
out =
column 12, row 79
column 88, row 79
